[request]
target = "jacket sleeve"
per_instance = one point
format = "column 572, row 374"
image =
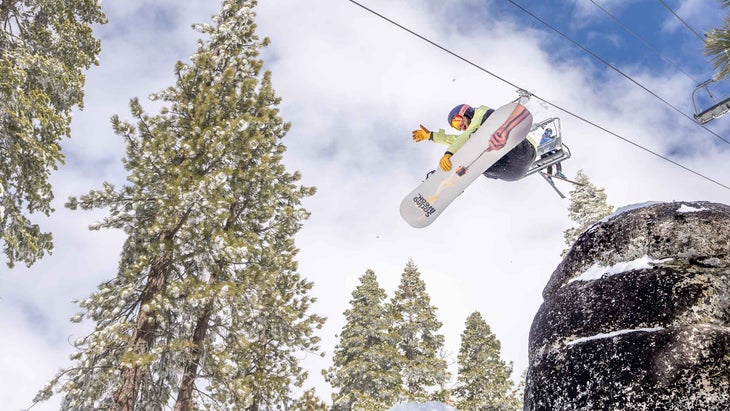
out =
column 442, row 138
column 459, row 140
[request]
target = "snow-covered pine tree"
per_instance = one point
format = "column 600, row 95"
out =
column 483, row 381
column 207, row 310
column 519, row 392
column 717, row 44
column 45, row 46
column 416, row 327
column 587, row 206
column 365, row 373
column 309, row 401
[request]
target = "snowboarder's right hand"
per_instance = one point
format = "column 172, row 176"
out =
column 498, row 139
column 445, row 163
column 422, row 134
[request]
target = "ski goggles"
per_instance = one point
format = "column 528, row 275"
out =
column 459, row 118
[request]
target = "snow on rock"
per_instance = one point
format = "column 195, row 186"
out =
column 612, row 334
column 657, row 231
column 598, row 271
column 418, row 406
column 637, row 315
column 684, row 208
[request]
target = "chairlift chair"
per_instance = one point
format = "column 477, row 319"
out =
column 703, row 117
column 555, row 149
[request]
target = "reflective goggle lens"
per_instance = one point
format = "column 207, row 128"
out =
column 456, row 122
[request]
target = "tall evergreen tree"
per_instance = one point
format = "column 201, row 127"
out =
column 483, row 382
column 587, row 206
column 207, row 310
column 45, row 46
column 365, row 373
column 717, row 44
column 416, row 326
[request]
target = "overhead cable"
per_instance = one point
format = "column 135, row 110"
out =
column 646, row 43
column 616, row 69
column 535, row 96
column 682, row 20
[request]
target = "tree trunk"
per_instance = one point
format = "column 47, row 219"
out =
column 126, row 397
column 184, row 400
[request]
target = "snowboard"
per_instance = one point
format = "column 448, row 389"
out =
column 427, row 201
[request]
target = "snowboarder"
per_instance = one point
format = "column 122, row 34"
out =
column 479, row 146
column 466, row 119
column 547, row 137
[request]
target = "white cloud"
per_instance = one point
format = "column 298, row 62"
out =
column 696, row 13
column 354, row 87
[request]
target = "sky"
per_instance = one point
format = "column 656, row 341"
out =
column 354, row 86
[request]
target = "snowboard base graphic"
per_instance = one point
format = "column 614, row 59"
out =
column 422, row 205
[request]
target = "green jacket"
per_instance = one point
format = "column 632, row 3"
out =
column 456, row 141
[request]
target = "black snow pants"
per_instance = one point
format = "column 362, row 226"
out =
column 513, row 165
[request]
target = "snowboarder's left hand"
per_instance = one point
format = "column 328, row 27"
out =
column 445, row 162
column 498, row 139
column 422, row 134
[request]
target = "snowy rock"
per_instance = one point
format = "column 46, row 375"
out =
column 637, row 315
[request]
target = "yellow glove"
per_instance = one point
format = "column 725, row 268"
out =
column 445, row 162
column 422, row 134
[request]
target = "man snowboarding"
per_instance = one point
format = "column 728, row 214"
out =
column 466, row 119
column 489, row 140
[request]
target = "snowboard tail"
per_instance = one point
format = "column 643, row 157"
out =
column 427, row 201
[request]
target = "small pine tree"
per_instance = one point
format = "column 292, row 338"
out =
column 415, row 323
column 717, row 44
column 45, row 46
column 365, row 372
column 207, row 310
column 519, row 392
column 587, row 206
column 483, row 382
column 309, row 402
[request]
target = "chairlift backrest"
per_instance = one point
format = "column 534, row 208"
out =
column 552, row 123
column 550, row 126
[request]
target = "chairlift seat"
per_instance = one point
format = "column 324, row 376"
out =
column 716, row 111
column 549, row 154
column 554, row 144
